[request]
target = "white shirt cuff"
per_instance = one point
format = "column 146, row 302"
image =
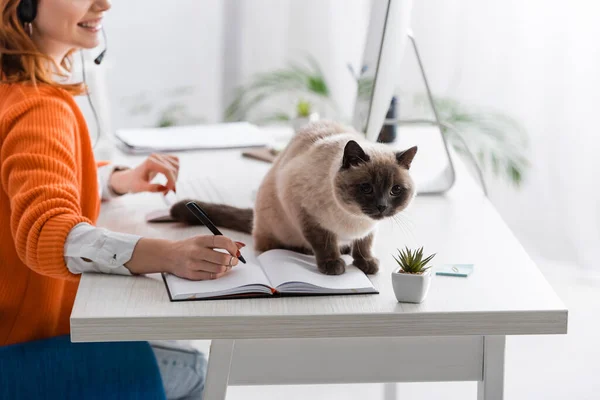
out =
column 104, row 173
column 93, row 249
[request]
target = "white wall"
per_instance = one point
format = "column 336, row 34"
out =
column 538, row 62
column 213, row 46
column 272, row 33
column 156, row 46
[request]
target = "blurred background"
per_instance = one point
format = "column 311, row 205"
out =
column 519, row 78
column 491, row 65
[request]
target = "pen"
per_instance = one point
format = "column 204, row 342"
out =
column 201, row 215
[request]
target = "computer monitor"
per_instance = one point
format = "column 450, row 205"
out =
column 387, row 36
column 385, row 50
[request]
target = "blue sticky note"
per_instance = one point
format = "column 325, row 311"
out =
column 462, row 270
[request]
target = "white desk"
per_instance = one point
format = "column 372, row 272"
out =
column 457, row 334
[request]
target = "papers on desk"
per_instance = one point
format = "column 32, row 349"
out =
column 196, row 137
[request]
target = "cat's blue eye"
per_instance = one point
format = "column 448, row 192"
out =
column 396, row 190
column 366, row 188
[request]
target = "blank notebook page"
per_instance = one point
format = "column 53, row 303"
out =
column 239, row 276
column 283, row 266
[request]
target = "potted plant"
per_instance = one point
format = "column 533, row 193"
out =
column 303, row 115
column 272, row 96
column 412, row 279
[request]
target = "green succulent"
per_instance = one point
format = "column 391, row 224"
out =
column 412, row 261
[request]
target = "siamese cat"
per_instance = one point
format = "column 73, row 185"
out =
column 324, row 195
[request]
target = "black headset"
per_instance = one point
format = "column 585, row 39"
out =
column 26, row 12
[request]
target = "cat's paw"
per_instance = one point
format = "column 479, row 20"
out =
column 367, row 265
column 332, row 267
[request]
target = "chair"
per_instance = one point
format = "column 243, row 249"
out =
column 55, row 368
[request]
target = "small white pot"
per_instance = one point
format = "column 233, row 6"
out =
column 411, row 288
column 300, row 122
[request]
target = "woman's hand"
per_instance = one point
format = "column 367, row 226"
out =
column 197, row 259
column 139, row 178
column 194, row 258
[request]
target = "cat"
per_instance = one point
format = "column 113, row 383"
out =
column 324, row 195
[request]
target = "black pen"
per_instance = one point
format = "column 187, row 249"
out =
column 201, row 215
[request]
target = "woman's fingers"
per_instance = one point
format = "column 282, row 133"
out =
column 156, row 165
column 203, row 275
column 216, row 257
column 153, row 187
column 200, row 260
column 168, row 164
column 208, row 267
column 172, row 160
column 218, row 242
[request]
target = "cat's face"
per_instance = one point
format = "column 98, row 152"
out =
column 378, row 186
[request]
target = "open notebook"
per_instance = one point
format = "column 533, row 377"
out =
column 272, row 273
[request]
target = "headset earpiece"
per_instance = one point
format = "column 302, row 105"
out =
column 27, row 11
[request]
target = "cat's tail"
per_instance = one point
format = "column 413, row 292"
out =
column 223, row 216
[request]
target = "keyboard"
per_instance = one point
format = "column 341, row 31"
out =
column 199, row 188
column 212, row 190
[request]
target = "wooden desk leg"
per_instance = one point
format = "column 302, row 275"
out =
column 217, row 374
column 492, row 385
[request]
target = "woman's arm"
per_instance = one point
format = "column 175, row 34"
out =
column 93, row 249
column 39, row 175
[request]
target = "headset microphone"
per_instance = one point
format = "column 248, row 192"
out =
column 100, row 57
column 97, row 61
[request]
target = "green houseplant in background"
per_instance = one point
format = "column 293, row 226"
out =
column 261, row 98
column 497, row 140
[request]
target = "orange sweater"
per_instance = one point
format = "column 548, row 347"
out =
column 48, row 185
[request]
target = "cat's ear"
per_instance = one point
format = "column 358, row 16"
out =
column 405, row 157
column 353, row 155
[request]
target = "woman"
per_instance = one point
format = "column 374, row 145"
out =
column 50, row 191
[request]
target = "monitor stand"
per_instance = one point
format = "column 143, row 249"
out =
column 432, row 169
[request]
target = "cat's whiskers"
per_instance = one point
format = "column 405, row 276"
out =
column 408, row 235
column 397, row 221
column 406, row 217
column 403, row 223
